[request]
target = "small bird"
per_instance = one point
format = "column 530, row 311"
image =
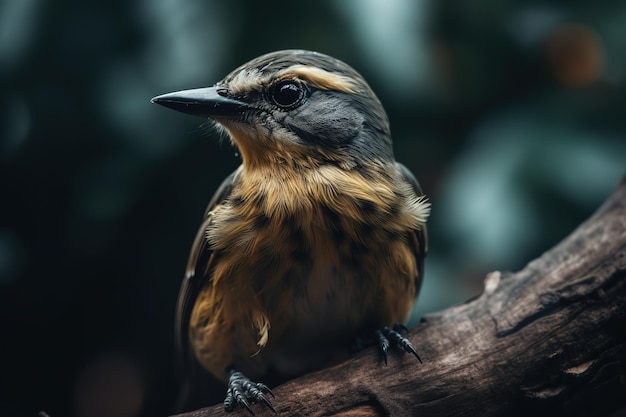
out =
column 315, row 241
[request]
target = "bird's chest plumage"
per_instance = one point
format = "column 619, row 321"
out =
column 305, row 268
column 301, row 269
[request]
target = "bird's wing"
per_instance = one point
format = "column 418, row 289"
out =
column 419, row 236
column 196, row 275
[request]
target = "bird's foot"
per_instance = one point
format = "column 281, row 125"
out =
column 242, row 391
column 386, row 337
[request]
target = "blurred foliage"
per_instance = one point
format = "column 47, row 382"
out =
column 510, row 113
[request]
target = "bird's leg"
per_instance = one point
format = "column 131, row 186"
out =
column 241, row 391
column 386, row 337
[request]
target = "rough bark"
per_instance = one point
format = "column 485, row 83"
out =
column 549, row 339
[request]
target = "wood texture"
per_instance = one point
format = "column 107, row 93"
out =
column 547, row 340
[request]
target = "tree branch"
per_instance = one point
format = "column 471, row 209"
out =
column 547, row 339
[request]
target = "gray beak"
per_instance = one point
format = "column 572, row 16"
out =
column 205, row 102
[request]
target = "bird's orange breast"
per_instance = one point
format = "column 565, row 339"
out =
column 303, row 262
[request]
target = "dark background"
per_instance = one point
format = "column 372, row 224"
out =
column 511, row 114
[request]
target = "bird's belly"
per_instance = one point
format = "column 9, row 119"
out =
column 321, row 324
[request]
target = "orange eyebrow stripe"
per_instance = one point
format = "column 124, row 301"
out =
column 320, row 78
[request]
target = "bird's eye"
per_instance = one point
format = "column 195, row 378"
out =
column 288, row 93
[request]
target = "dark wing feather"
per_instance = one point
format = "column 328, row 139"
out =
column 419, row 237
column 196, row 277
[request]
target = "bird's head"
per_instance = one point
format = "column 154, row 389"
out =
column 294, row 106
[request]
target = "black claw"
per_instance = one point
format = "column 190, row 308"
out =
column 245, row 404
column 268, row 404
column 383, row 344
column 265, row 389
column 407, row 346
column 386, row 336
column 241, row 391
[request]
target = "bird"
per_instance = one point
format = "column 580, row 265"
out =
column 315, row 241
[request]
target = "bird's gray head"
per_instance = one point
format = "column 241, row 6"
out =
column 296, row 106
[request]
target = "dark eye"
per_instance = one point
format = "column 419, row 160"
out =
column 288, row 93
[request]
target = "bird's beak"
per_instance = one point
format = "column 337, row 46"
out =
column 205, row 102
